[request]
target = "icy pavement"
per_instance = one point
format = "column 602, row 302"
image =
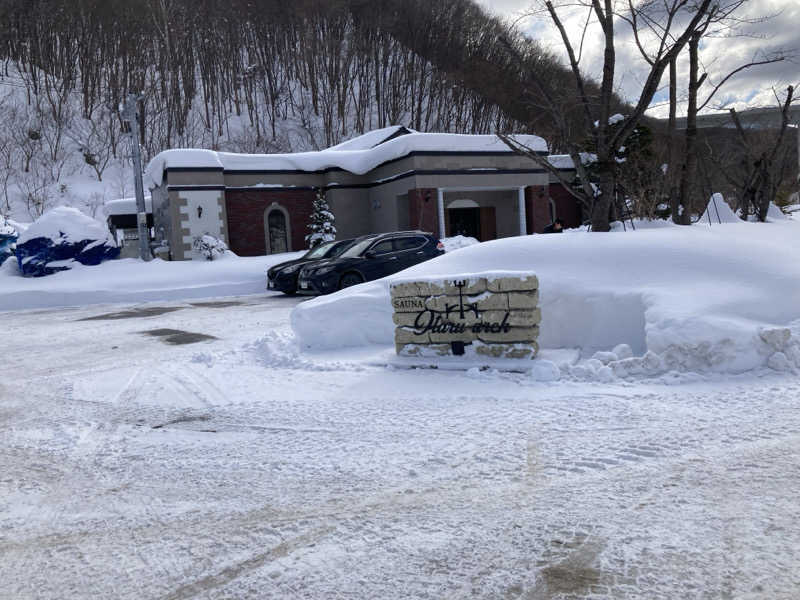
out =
column 233, row 466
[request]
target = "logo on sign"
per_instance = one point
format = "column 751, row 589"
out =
column 451, row 320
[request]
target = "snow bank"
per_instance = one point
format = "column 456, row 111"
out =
column 717, row 299
column 458, row 241
column 357, row 161
column 131, row 280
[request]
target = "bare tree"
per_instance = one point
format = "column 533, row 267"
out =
column 659, row 38
column 761, row 174
column 722, row 21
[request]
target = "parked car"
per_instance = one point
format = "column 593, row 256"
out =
column 369, row 259
column 283, row 277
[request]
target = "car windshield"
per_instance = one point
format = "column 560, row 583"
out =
column 356, row 250
column 319, row 251
column 337, row 252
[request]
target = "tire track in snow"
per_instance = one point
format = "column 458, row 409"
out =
column 236, row 570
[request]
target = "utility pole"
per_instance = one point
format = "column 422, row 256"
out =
column 130, row 117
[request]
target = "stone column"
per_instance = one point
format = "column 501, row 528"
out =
column 440, row 208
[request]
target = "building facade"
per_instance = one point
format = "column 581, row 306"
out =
column 387, row 180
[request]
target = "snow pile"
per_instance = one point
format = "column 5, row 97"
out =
column 458, row 241
column 686, row 299
column 357, row 161
column 65, row 224
column 59, row 239
column 718, row 211
column 774, row 213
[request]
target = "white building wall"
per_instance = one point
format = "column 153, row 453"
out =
column 201, row 212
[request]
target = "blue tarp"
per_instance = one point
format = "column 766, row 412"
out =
column 36, row 255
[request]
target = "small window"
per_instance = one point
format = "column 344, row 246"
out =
column 383, row 247
column 409, row 243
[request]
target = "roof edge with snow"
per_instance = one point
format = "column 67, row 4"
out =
column 357, row 156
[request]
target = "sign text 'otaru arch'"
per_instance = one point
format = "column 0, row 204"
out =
column 490, row 315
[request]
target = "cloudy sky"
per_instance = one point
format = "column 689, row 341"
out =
column 719, row 56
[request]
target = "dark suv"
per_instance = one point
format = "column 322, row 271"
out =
column 369, row 259
column 283, row 277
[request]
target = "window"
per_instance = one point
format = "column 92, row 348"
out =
column 356, row 249
column 409, row 243
column 319, row 251
column 277, row 234
column 383, row 247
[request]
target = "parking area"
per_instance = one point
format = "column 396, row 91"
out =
column 192, row 450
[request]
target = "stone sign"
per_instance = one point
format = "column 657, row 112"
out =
column 486, row 315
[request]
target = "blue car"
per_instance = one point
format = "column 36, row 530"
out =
column 369, row 259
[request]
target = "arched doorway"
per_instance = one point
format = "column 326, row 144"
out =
column 276, row 229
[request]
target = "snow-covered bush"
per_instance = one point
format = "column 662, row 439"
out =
column 322, row 226
column 60, row 238
column 209, row 247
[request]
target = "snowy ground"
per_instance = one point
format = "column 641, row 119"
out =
column 131, row 280
column 135, row 465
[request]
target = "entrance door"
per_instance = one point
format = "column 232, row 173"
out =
column 465, row 221
column 277, row 235
column 488, row 223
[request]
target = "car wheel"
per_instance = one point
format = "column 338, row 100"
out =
column 349, row 280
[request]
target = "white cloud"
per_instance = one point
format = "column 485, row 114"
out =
column 719, row 56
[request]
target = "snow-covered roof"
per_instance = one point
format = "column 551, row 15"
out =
column 358, row 156
column 372, row 138
column 127, row 206
column 564, row 161
column 561, row 161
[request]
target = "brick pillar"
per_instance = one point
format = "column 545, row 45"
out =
column 422, row 203
column 568, row 209
column 537, row 203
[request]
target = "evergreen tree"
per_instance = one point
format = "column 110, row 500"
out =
column 322, row 226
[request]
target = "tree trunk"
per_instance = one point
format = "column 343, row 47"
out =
column 601, row 208
column 689, row 170
column 672, row 155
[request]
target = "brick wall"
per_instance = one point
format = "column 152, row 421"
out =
column 430, row 213
column 246, row 232
column 537, row 208
column 568, row 208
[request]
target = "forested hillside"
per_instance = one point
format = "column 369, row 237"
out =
column 246, row 75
